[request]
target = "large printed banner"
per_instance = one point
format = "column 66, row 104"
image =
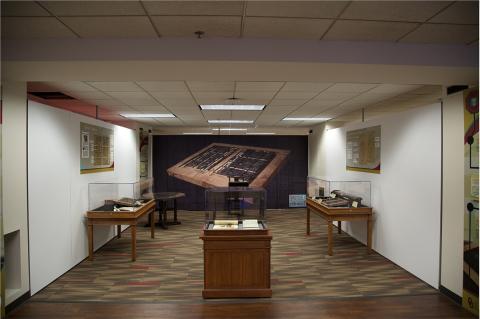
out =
column 470, row 243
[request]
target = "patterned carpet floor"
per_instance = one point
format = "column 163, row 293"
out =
column 170, row 267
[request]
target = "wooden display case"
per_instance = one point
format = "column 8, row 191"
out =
column 236, row 262
column 339, row 214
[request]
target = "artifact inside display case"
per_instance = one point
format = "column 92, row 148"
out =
column 339, row 193
column 234, row 224
column 235, row 203
column 215, row 164
column 119, row 197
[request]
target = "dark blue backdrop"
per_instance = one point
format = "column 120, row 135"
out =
column 168, row 150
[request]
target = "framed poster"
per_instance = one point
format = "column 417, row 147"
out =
column 96, row 149
column 363, row 150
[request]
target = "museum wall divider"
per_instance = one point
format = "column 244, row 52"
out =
column 405, row 195
column 58, row 192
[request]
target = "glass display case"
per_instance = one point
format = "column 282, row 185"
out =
column 104, row 196
column 235, row 203
column 339, row 193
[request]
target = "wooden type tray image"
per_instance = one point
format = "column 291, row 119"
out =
column 212, row 165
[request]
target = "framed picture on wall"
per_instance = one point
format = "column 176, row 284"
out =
column 363, row 150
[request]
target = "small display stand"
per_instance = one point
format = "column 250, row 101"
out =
column 236, row 259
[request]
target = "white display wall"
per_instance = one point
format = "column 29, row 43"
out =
column 58, row 193
column 406, row 196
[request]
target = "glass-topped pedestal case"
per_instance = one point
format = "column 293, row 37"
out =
column 235, row 203
column 236, row 243
column 119, row 197
column 339, row 194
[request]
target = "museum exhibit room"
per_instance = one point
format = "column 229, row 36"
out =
column 239, row 159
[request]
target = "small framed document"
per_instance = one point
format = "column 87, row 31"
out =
column 355, row 204
column 333, row 195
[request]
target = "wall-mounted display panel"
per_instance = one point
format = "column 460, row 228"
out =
column 96, row 149
column 363, row 150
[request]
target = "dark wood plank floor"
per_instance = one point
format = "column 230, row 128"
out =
column 424, row 306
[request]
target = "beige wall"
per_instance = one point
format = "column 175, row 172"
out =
column 14, row 184
column 453, row 194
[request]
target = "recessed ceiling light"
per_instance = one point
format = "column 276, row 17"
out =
column 260, row 133
column 229, row 129
column 197, row 133
column 306, row 119
column 230, row 121
column 145, row 115
column 232, row 107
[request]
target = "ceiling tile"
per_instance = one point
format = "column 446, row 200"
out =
column 217, row 8
column 305, row 9
column 134, row 98
column 202, row 86
column 245, row 115
column 285, row 27
column 461, row 12
column 305, row 86
column 416, row 11
column 72, row 86
column 273, row 110
column 119, row 27
column 295, row 95
column 350, row 87
column 165, row 86
column 258, row 86
column 171, row 95
column 253, row 95
column 89, row 95
column 22, row 8
column 107, row 102
column 150, row 108
column 286, row 102
column 220, row 96
column 116, row 86
column 368, row 30
column 186, row 102
column 393, row 88
column 443, row 33
column 186, row 26
column 217, row 115
column 94, row 8
column 34, row 27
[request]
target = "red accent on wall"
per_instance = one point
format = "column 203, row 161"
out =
column 80, row 107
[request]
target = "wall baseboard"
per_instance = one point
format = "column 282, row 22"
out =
column 450, row 294
column 17, row 302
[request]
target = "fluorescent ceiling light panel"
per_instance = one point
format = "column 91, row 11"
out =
column 230, row 121
column 229, row 129
column 232, row 107
column 145, row 115
column 197, row 133
column 261, row 133
column 306, row 119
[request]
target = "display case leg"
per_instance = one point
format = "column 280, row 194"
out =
column 308, row 221
column 134, row 242
column 330, row 238
column 90, row 242
column 152, row 223
column 339, row 227
column 369, row 235
column 119, row 231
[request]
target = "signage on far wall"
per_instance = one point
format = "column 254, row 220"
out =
column 96, row 149
column 363, row 150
